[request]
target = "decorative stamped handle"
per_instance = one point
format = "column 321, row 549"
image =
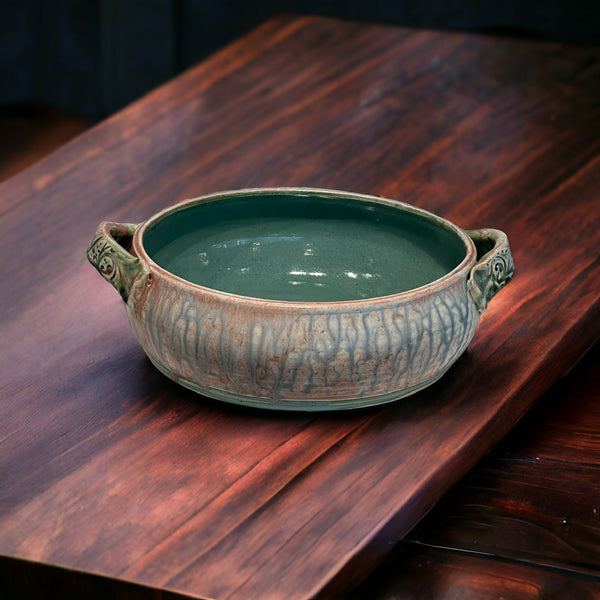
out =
column 109, row 253
column 494, row 268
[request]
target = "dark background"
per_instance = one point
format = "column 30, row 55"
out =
column 92, row 57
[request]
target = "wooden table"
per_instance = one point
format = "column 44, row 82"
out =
column 115, row 481
column 524, row 523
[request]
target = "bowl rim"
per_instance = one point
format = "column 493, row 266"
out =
column 464, row 266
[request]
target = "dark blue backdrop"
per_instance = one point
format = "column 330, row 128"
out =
column 95, row 56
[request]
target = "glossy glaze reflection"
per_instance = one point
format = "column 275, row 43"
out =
column 303, row 249
column 314, row 351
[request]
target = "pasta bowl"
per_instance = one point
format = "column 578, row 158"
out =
column 301, row 299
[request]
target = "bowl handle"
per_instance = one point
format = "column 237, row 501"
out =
column 494, row 266
column 109, row 253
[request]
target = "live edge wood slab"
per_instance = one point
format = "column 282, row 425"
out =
column 106, row 467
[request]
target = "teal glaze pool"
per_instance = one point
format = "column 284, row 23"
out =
column 303, row 248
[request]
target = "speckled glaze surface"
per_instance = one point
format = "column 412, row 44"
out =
column 301, row 355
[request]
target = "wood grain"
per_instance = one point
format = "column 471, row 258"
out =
column 108, row 468
column 524, row 522
column 27, row 133
column 25, row 580
column 416, row 569
column 537, row 497
column 413, row 572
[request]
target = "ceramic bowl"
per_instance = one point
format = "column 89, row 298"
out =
column 301, row 299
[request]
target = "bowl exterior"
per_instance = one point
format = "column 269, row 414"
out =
column 287, row 355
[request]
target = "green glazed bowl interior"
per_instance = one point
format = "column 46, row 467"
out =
column 303, row 247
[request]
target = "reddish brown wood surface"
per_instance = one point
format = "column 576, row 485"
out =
column 27, row 133
column 25, row 580
column 108, row 468
column 562, row 431
column 524, row 522
column 536, row 498
column 416, row 573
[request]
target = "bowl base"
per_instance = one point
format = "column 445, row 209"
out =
column 294, row 404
